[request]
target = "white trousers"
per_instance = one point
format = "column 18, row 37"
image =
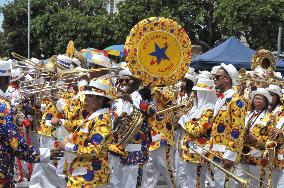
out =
column 45, row 174
column 181, row 179
column 253, row 170
column 191, row 170
column 115, row 171
column 176, row 157
column 278, row 178
column 220, row 177
column 159, row 164
column 123, row 176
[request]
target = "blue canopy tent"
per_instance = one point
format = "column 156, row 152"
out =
column 232, row 51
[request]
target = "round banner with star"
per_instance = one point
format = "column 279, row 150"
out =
column 158, row 51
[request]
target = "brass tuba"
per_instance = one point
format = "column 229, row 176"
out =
column 128, row 126
column 263, row 59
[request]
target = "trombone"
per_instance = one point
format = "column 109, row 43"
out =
column 241, row 181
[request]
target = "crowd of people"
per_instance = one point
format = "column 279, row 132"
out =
column 202, row 132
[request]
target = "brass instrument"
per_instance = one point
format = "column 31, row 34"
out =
column 68, row 72
column 46, row 88
column 128, row 127
column 241, row 181
column 50, row 67
column 270, row 149
column 263, row 59
column 50, row 82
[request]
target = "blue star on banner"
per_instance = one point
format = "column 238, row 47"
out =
column 160, row 53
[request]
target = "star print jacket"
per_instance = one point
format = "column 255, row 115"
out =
column 227, row 133
column 256, row 156
column 50, row 112
column 197, row 131
column 11, row 143
column 162, row 129
column 279, row 124
column 89, row 145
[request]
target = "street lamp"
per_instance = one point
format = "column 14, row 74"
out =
column 29, row 25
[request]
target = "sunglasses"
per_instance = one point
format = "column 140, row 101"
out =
column 126, row 81
column 217, row 77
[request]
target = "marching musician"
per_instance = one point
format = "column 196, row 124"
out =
column 13, row 92
column 277, row 110
column 253, row 160
column 162, row 145
column 188, row 82
column 45, row 175
column 228, row 126
column 12, row 144
column 128, row 170
column 197, row 131
column 275, row 106
column 88, row 145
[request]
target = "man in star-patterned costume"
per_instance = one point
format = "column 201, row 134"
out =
column 227, row 134
column 127, row 170
column 11, row 143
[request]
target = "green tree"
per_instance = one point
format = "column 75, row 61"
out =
column 196, row 16
column 257, row 21
column 53, row 23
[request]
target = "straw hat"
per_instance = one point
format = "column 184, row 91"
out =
column 100, row 87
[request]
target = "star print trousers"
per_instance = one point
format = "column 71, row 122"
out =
column 160, row 163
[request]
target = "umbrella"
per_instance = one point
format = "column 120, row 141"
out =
column 116, row 50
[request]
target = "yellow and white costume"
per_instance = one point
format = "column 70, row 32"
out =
column 278, row 113
column 89, row 143
column 255, row 162
column 197, row 132
column 227, row 132
column 161, row 147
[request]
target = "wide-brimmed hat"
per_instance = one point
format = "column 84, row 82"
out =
column 214, row 69
column 275, row 89
column 100, row 87
column 100, row 59
column 5, row 68
column 65, row 61
column 191, row 75
column 16, row 74
column 263, row 92
column 232, row 71
column 204, row 82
